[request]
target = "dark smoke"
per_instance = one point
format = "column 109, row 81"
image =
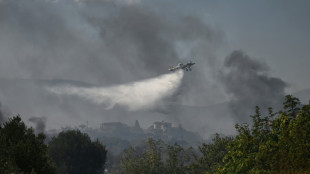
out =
column 97, row 41
column 103, row 43
column 248, row 83
column 39, row 123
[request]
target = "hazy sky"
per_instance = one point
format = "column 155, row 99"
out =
column 276, row 32
column 246, row 52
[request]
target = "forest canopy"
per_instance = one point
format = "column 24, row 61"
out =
column 277, row 142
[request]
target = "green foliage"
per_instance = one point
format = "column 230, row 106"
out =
column 143, row 161
column 291, row 106
column 175, row 163
column 74, row 153
column 158, row 158
column 277, row 143
column 213, row 153
column 155, row 158
column 21, row 151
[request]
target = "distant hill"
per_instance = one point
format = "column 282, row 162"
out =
column 117, row 136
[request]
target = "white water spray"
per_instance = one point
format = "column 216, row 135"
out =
column 139, row 95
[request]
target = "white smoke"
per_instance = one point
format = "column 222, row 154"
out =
column 139, row 95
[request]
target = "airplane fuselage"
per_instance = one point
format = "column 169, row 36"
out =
column 181, row 66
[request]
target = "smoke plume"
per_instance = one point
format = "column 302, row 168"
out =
column 248, row 83
column 134, row 96
column 106, row 43
column 39, row 123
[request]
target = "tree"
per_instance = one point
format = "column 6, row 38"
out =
column 277, row 143
column 144, row 161
column 294, row 137
column 291, row 106
column 21, row 151
column 213, row 154
column 74, row 153
column 175, row 163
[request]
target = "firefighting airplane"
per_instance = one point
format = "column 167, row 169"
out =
column 186, row 67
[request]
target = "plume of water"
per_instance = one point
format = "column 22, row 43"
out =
column 138, row 95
